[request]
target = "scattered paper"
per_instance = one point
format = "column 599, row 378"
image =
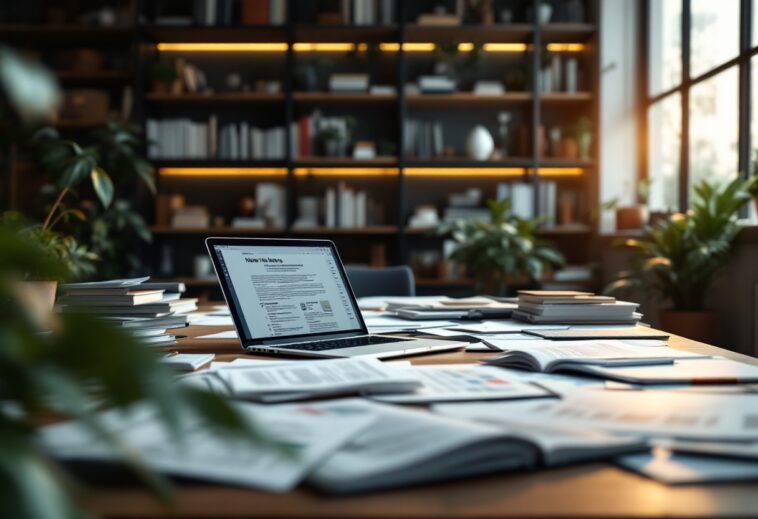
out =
column 295, row 380
column 674, row 468
column 227, row 334
column 506, row 326
column 208, row 455
column 654, row 414
column 209, row 319
column 463, row 382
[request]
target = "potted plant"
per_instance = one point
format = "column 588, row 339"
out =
column 79, row 364
column 503, row 253
column 635, row 217
column 163, row 77
column 583, row 135
column 330, row 139
column 682, row 256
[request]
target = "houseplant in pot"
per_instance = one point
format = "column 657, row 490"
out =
column 60, row 366
column 502, row 254
column 636, row 216
column 682, row 256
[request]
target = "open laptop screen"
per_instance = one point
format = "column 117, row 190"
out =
column 285, row 291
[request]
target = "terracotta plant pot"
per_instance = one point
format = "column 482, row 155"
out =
column 702, row 325
column 631, row 218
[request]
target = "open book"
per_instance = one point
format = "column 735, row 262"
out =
column 581, row 356
column 407, row 446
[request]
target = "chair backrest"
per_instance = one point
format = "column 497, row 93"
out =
column 387, row 281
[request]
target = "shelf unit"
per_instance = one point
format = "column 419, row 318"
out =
column 404, row 172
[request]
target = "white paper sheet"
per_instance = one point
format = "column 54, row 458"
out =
column 387, row 323
column 655, row 414
column 506, row 326
column 226, row 334
column 331, row 376
column 207, row 455
column 210, row 319
column 463, row 382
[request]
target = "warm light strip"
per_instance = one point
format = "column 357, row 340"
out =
column 348, row 47
column 559, row 172
column 323, row 47
column 504, row 47
column 565, row 47
column 213, row 172
column 222, row 47
column 463, row 172
column 346, row 172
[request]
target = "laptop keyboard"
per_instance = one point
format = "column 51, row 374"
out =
column 366, row 340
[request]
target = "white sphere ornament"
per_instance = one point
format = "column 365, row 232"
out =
column 479, row 144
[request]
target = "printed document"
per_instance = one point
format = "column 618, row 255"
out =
column 462, row 382
column 320, row 377
column 205, row 454
column 654, row 414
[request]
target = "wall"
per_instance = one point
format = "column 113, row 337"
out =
column 618, row 105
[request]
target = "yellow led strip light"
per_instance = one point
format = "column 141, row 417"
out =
column 463, row 172
column 212, row 172
column 346, row 172
column 348, row 47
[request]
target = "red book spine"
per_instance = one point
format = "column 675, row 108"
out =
column 255, row 12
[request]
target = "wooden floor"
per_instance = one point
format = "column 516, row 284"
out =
column 588, row 490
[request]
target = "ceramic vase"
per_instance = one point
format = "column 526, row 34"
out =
column 479, row 144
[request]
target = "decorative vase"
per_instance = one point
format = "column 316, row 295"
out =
column 545, row 12
column 698, row 325
column 479, row 143
column 585, row 143
column 631, row 218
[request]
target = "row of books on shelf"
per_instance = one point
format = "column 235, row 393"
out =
column 188, row 139
column 346, row 207
column 561, row 74
column 229, row 12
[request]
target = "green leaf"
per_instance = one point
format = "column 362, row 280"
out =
column 103, row 186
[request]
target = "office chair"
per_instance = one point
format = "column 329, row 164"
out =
column 388, row 281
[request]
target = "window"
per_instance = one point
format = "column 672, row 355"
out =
column 697, row 114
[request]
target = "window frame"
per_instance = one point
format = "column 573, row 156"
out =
column 743, row 63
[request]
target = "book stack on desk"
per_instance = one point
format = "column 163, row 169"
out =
column 568, row 306
column 147, row 310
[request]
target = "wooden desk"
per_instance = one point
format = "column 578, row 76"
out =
column 594, row 489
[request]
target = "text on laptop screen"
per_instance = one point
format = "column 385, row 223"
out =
column 285, row 291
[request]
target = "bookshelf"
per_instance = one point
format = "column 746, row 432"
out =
column 398, row 179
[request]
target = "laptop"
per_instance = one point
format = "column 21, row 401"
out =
column 292, row 297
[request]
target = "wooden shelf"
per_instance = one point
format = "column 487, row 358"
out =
column 500, row 33
column 567, row 32
column 217, row 34
column 467, row 99
column 169, row 231
column 577, row 228
column 318, row 162
column 216, row 163
column 346, row 98
column 565, row 97
column 224, row 98
column 75, row 124
column 71, row 35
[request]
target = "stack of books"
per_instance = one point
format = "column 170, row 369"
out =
column 148, row 310
column 572, row 307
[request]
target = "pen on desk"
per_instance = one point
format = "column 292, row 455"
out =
column 171, row 354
